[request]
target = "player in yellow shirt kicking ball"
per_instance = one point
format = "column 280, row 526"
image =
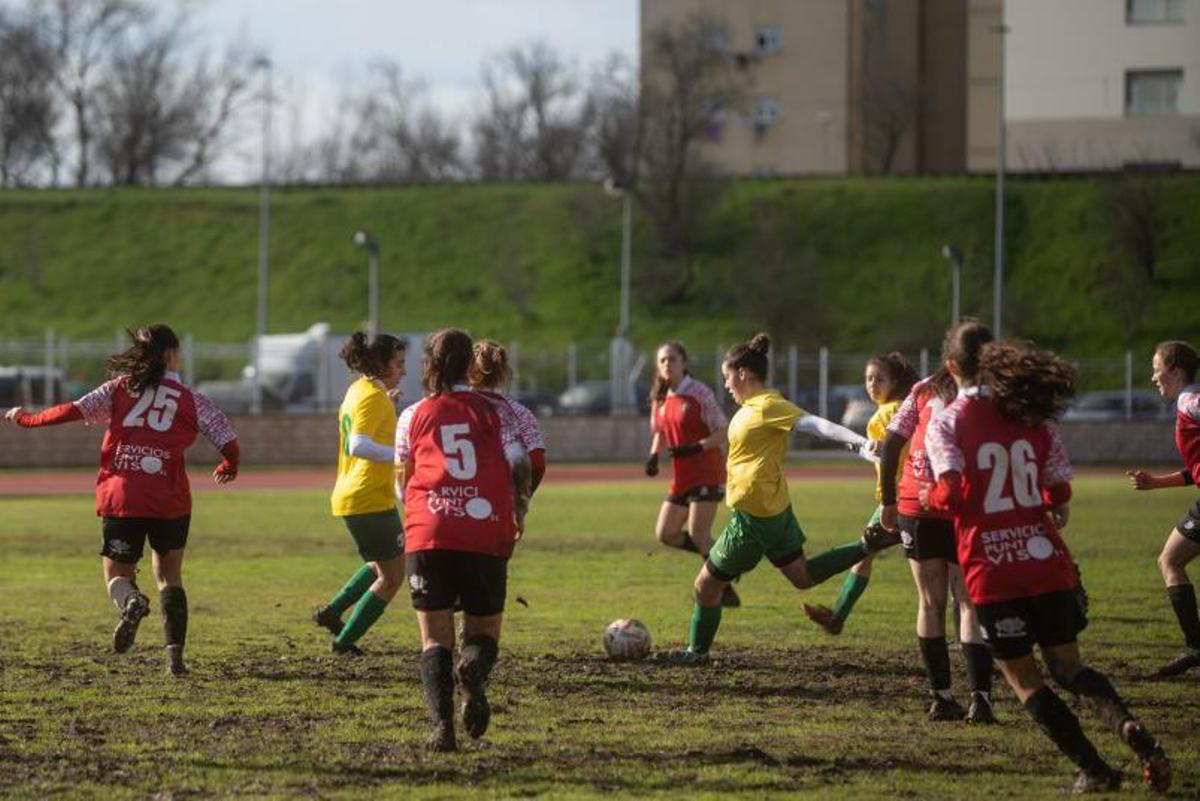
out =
column 762, row 523
column 364, row 496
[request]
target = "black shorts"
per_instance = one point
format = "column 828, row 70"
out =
column 1189, row 524
column 437, row 579
column 702, row 492
column 124, row 538
column 1012, row 627
column 928, row 538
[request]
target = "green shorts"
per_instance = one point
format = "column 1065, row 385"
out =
column 746, row 539
column 378, row 535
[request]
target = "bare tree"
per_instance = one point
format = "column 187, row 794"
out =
column 888, row 112
column 27, row 108
column 688, row 84
column 536, row 121
column 614, row 99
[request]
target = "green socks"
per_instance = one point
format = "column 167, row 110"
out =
column 349, row 595
column 366, row 612
column 705, row 621
column 853, row 587
column 834, row 561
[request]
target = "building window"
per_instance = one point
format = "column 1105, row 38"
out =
column 1153, row 12
column 766, row 110
column 712, row 110
column 766, row 39
column 714, row 38
column 1152, row 93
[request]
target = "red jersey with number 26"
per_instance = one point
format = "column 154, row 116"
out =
column 460, row 494
column 1007, row 544
column 142, row 470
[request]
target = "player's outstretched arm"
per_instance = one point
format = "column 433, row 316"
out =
column 1142, row 480
column 55, row 415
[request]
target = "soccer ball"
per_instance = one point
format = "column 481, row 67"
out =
column 627, row 638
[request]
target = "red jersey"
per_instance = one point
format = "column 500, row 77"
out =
column 911, row 422
column 142, row 470
column 1187, row 430
column 1008, row 546
column 688, row 414
column 459, row 495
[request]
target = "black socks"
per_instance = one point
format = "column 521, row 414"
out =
column 175, row 615
column 937, row 661
column 437, row 677
column 979, row 666
column 1062, row 727
column 1183, row 601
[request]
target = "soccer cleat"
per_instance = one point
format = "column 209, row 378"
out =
column 476, row 712
column 137, row 606
column 941, row 708
column 683, row 657
column 175, row 664
column 441, row 738
column 1180, row 664
column 1156, row 767
column 824, row 617
column 326, row 618
column 876, row 538
column 348, row 649
column 980, row 710
column 1098, row 781
column 729, row 598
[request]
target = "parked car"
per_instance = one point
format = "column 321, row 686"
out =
column 542, row 404
column 594, row 397
column 1110, row 405
column 26, row 386
column 857, row 414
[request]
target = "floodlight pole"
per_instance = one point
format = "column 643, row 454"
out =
column 621, row 384
column 954, row 255
column 998, row 285
column 264, row 229
column 365, row 240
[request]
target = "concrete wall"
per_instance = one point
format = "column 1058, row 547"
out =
column 312, row 440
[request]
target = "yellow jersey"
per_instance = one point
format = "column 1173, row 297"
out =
column 364, row 486
column 876, row 431
column 758, row 440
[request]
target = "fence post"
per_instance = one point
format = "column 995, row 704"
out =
column 48, row 386
column 823, row 382
column 1128, row 385
column 64, row 358
column 189, row 359
column 718, row 379
column 572, row 365
column 924, row 362
column 793, row 373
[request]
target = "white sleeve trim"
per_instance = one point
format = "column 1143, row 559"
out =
column 826, row 429
column 364, row 447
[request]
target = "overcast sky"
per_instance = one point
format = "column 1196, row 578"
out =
column 318, row 47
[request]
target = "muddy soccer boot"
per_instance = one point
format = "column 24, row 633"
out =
column 175, row 665
column 326, row 618
column 346, row 650
column 942, row 708
column 685, row 656
column 824, row 617
column 876, row 538
column 137, row 606
column 980, row 710
column 1180, row 664
column 1156, row 768
column 1097, row 781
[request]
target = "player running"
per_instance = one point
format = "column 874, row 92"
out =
column 142, row 490
column 928, row 538
column 1174, row 375
column 466, row 482
column 1003, row 474
column 762, row 522
column 489, row 374
column 363, row 496
column 686, row 419
column 888, row 380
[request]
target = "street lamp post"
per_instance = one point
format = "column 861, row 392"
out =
column 365, row 240
column 264, row 228
column 998, row 284
column 620, row 384
column 954, row 254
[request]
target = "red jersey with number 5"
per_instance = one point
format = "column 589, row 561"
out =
column 142, row 469
column 1007, row 544
column 460, row 494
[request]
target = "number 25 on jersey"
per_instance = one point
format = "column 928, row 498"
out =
column 155, row 409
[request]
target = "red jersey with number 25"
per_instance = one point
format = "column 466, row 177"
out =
column 1007, row 544
column 142, row 470
column 460, row 494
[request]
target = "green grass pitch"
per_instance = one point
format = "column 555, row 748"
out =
column 268, row 713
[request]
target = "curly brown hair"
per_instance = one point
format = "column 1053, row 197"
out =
column 489, row 365
column 1027, row 385
column 371, row 357
column 448, row 357
column 145, row 361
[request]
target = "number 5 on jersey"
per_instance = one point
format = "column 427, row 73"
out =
column 154, row 409
column 459, row 453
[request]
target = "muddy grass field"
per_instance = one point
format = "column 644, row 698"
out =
column 267, row 712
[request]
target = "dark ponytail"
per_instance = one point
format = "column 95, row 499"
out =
column 449, row 354
column 1028, row 386
column 145, row 361
column 751, row 355
column 658, row 389
column 371, row 357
